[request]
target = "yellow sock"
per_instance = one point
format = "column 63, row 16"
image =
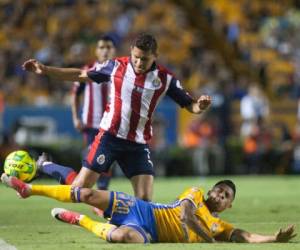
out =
column 102, row 230
column 58, row 192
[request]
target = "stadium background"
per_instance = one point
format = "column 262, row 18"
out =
column 220, row 48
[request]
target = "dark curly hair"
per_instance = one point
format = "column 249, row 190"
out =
column 145, row 42
column 229, row 183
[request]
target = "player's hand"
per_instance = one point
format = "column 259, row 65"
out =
column 34, row 66
column 204, row 102
column 78, row 124
column 285, row 234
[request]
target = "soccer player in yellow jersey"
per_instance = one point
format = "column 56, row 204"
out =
column 191, row 218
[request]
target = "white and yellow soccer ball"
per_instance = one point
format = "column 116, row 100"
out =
column 20, row 164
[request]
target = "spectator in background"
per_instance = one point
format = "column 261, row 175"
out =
column 94, row 102
column 257, row 139
column 202, row 137
column 254, row 110
column 158, row 144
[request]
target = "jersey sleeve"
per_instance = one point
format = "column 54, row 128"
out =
column 102, row 72
column 78, row 88
column 195, row 195
column 178, row 94
column 225, row 232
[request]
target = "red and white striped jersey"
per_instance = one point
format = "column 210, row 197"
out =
column 95, row 98
column 134, row 97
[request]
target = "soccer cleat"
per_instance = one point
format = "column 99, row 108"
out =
column 40, row 161
column 66, row 216
column 21, row 187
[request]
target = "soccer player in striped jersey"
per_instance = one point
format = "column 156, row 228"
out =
column 137, row 83
column 191, row 218
column 95, row 99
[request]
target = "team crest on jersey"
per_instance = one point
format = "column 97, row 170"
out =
column 101, row 159
column 156, row 83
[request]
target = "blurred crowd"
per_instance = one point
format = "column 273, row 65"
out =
column 64, row 33
column 263, row 34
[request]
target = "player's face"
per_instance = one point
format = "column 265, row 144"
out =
column 105, row 50
column 220, row 198
column 141, row 60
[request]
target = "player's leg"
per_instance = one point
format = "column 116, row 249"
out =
column 126, row 234
column 97, row 161
column 103, row 181
column 143, row 186
column 64, row 193
column 85, row 178
column 138, row 167
column 63, row 174
column 89, row 135
column 105, row 231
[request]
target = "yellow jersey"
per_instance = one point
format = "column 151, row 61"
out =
column 170, row 228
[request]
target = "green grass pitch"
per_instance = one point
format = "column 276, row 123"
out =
column 263, row 204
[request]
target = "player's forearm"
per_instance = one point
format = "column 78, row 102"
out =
column 188, row 218
column 201, row 232
column 241, row 236
column 257, row 238
column 196, row 226
column 66, row 74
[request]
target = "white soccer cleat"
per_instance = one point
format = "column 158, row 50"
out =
column 66, row 216
column 44, row 157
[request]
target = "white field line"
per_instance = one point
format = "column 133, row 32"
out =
column 6, row 246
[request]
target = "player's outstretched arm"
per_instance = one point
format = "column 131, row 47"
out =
column 189, row 219
column 283, row 235
column 199, row 106
column 67, row 74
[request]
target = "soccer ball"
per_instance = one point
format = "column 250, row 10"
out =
column 20, row 164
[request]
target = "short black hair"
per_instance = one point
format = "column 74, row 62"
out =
column 108, row 38
column 229, row 183
column 145, row 42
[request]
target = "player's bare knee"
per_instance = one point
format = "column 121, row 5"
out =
column 86, row 194
column 132, row 237
column 123, row 235
column 118, row 236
